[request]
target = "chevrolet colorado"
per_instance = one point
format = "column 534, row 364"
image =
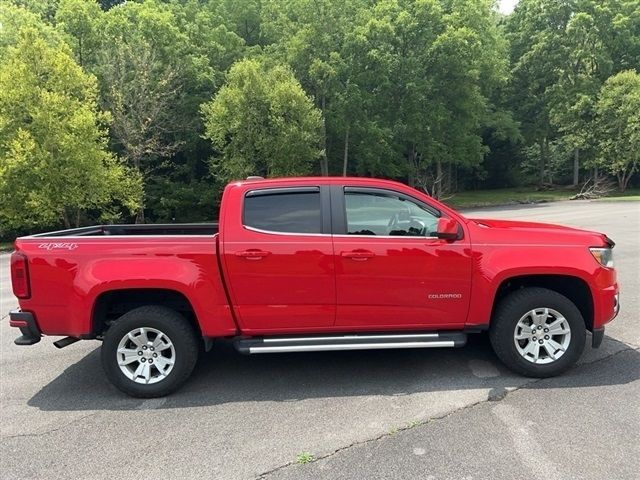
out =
column 313, row 264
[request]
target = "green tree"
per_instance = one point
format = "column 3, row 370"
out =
column 623, row 34
column 209, row 43
column 261, row 123
column 426, row 71
column 45, row 9
column 81, row 20
column 243, row 18
column 309, row 35
column 158, row 62
column 618, row 126
column 15, row 18
column 535, row 31
column 54, row 165
column 562, row 52
column 586, row 65
column 149, row 81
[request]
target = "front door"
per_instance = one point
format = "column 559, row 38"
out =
column 391, row 269
column 279, row 261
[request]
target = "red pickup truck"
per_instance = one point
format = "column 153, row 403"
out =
column 313, row 264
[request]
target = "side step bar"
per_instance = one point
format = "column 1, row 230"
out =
column 285, row 344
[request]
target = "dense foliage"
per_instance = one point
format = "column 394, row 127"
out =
column 261, row 122
column 141, row 110
column 55, row 164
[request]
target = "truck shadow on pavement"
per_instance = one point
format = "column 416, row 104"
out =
column 223, row 376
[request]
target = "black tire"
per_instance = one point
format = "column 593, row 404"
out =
column 509, row 312
column 174, row 326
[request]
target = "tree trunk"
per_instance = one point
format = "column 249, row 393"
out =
column 576, row 167
column 542, row 160
column 345, row 159
column 449, row 175
column 413, row 168
column 324, row 161
column 623, row 178
column 65, row 219
column 437, row 185
column 546, row 158
column 140, row 215
column 456, row 177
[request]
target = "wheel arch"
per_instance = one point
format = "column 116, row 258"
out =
column 112, row 304
column 572, row 287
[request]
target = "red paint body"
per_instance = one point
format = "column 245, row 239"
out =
column 247, row 282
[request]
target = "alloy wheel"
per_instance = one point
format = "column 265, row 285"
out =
column 542, row 335
column 146, row 355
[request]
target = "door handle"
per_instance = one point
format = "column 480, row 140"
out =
column 358, row 254
column 253, row 254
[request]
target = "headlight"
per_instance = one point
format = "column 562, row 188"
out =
column 604, row 256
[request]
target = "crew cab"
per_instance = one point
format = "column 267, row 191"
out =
column 314, row 264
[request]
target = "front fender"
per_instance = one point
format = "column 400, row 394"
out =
column 495, row 264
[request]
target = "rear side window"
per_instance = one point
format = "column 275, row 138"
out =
column 296, row 212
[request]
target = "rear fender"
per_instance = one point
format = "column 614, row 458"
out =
column 66, row 284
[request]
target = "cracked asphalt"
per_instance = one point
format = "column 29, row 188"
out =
column 430, row 414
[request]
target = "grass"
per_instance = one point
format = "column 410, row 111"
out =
column 413, row 423
column 506, row 196
column 626, row 198
column 305, row 457
column 509, row 196
column 629, row 195
column 6, row 247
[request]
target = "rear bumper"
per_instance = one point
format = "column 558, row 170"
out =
column 26, row 322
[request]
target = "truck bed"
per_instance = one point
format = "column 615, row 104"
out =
column 135, row 229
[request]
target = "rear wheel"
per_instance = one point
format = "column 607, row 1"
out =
column 149, row 351
column 537, row 332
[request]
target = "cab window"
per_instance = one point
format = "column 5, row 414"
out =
column 295, row 212
column 387, row 215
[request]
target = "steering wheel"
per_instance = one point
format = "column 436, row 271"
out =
column 399, row 221
column 417, row 228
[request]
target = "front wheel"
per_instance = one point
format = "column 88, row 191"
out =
column 149, row 351
column 537, row 332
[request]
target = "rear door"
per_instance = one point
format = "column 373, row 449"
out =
column 279, row 260
column 391, row 269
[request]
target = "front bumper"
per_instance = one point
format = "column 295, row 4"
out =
column 597, row 335
column 26, row 322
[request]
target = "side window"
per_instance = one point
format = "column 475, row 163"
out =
column 296, row 212
column 377, row 214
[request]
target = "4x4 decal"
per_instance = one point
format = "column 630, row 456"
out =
column 58, row 246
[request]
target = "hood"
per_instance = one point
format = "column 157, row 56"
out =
column 536, row 232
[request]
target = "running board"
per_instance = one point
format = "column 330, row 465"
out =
column 285, row 344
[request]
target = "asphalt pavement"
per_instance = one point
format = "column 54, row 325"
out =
column 430, row 414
